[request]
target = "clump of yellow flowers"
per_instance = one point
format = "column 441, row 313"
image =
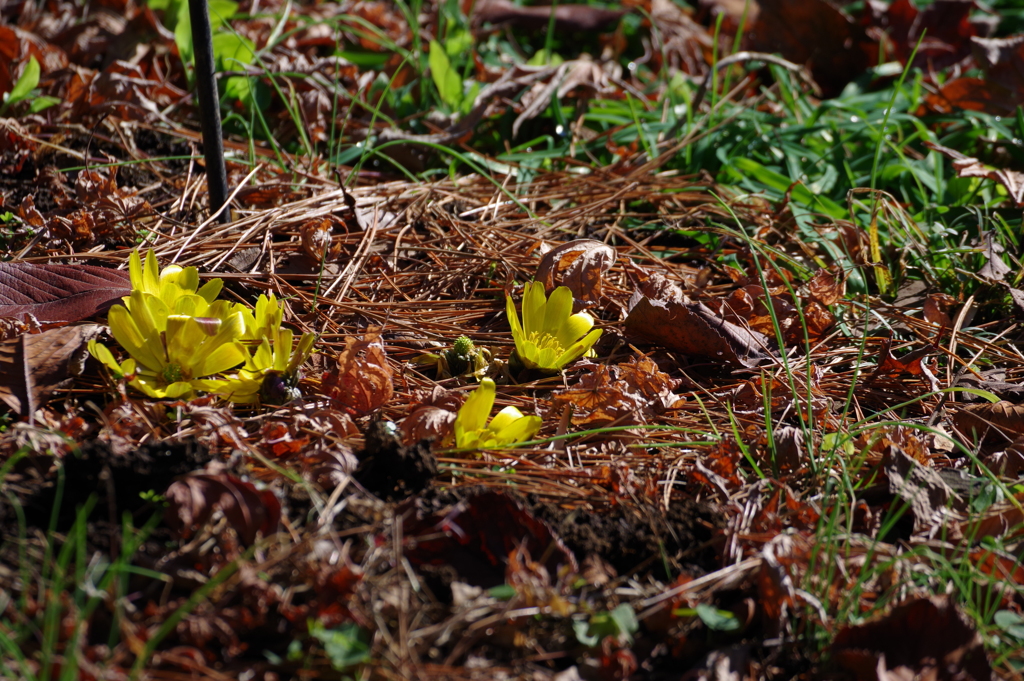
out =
column 551, row 336
column 180, row 339
column 508, row 428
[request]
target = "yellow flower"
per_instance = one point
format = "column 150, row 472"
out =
column 550, row 336
column 272, row 373
column 180, row 339
column 171, row 283
column 509, row 427
column 174, row 352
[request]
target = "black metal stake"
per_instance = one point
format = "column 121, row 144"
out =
column 209, row 108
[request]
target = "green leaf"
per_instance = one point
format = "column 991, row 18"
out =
column 232, row 51
column 220, row 12
column 43, row 102
column 620, row 623
column 458, row 42
column 625, row 620
column 26, row 83
column 717, row 620
column 348, row 645
column 447, row 81
column 502, row 592
column 1011, row 623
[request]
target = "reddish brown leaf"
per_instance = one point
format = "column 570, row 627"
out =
column 59, row 293
column 582, row 265
column 926, row 638
column 936, row 309
column 34, row 365
column 815, row 33
column 362, row 380
column 991, row 420
column 478, row 535
column 945, row 26
column 194, row 498
column 583, row 18
column 971, row 94
column 1003, row 61
column 826, row 288
column 694, row 329
column 625, row 394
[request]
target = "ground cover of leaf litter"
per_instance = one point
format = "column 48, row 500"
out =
column 761, row 472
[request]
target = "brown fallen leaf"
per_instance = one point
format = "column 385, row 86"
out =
column 968, row 166
column 193, row 500
column 592, row 77
column 970, row 94
column 34, row 365
column 583, row 18
column 477, row 536
column 1002, row 59
column 926, row 638
column 922, row 488
column 941, row 31
column 936, row 309
column 912, row 363
column 581, row 264
column 995, row 268
column 362, row 380
column 816, row 33
column 826, row 288
column 991, row 421
column 694, row 329
column 59, row 293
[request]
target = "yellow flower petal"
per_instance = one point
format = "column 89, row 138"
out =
column 558, row 309
column 225, row 357
column 473, row 414
column 518, row 335
column 504, row 418
column 577, row 350
column 574, row 328
column 520, row 430
column 534, row 303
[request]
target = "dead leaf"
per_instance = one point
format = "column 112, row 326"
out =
column 595, row 78
column 59, row 293
column 789, row 448
column 994, row 269
column 34, row 365
column 568, row 18
column 991, row 420
column 943, row 28
column 970, row 94
column 581, row 264
column 926, row 638
column 1002, row 59
column 477, row 536
column 694, row 329
column 195, row 498
column 685, row 45
column 599, row 400
column 936, row 309
column 967, row 166
column 815, row 33
column 922, row 488
column 826, row 288
column 912, row 363
column 362, row 380
column 1004, row 521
